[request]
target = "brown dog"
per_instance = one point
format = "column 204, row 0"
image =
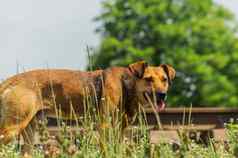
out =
column 24, row 95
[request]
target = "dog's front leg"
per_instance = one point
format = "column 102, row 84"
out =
column 28, row 135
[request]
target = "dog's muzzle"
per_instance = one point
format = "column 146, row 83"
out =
column 161, row 96
column 160, row 99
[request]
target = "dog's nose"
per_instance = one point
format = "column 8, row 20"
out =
column 161, row 96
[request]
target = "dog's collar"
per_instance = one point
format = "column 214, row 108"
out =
column 98, row 83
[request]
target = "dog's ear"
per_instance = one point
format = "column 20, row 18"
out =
column 170, row 72
column 138, row 68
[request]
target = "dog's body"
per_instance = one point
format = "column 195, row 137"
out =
column 24, row 95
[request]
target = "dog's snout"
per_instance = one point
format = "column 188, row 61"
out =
column 161, row 96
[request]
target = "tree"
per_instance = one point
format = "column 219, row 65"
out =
column 197, row 37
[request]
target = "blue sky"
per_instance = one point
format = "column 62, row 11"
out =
column 35, row 34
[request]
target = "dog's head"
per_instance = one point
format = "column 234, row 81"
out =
column 152, row 83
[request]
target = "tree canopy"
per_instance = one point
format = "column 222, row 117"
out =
column 198, row 38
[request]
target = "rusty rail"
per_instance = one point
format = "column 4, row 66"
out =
column 213, row 117
column 207, row 122
column 199, row 123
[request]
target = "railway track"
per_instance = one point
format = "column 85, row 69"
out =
column 198, row 123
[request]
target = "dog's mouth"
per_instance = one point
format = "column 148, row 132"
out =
column 160, row 105
column 160, row 100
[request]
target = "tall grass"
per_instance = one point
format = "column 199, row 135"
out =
column 108, row 142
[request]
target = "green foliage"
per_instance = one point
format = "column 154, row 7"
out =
column 197, row 37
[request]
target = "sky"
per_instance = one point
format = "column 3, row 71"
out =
column 51, row 33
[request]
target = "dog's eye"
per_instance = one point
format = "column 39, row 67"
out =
column 165, row 79
column 149, row 79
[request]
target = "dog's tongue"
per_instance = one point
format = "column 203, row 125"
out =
column 160, row 106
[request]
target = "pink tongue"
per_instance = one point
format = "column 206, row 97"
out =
column 160, row 106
